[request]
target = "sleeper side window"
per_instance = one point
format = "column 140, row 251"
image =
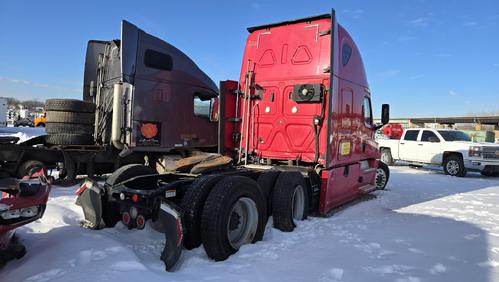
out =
column 346, row 53
column 158, row 60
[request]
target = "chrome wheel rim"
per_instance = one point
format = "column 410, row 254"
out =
column 452, row 167
column 380, row 178
column 298, row 203
column 242, row 223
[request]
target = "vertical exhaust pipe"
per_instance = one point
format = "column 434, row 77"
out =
column 117, row 116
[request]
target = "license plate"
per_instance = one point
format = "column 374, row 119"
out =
column 497, row 153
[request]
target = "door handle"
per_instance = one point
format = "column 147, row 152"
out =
column 402, row 143
column 420, row 144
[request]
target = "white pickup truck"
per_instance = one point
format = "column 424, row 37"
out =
column 451, row 149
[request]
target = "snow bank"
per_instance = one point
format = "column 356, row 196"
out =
column 425, row 227
column 23, row 133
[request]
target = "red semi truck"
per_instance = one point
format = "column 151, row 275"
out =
column 295, row 138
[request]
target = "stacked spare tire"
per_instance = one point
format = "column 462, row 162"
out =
column 69, row 122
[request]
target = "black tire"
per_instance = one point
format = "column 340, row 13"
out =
column 382, row 175
column 69, row 139
column 218, row 210
column 266, row 181
column 69, row 105
column 386, row 156
column 282, row 200
column 73, row 128
column 111, row 210
column 454, row 166
column 25, row 168
column 70, row 117
column 41, row 124
column 192, row 206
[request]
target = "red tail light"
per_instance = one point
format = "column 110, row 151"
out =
column 125, row 217
column 135, row 198
column 140, row 221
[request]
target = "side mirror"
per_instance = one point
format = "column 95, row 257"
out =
column 385, row 114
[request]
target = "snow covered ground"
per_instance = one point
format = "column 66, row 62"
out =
column 24, row 133
column 425, row 226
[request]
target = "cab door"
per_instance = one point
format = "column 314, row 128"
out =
column 408, row 147
column 430, row 148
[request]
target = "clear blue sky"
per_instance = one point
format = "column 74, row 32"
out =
column 425, row 58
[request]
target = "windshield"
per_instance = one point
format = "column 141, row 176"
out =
column 449, row 135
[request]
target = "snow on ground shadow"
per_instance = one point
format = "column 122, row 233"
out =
column 425, row 226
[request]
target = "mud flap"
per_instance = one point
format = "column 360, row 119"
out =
column 169, row 223
column 91, row 203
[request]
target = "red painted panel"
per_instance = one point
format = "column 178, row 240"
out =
column 281, row 56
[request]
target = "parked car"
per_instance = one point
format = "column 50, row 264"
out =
column 21, row 202
column 23, row 122
column 451, row 149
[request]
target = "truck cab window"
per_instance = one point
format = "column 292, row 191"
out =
column 411, row 135
column 202, row 108
column 346, row 53
column 368, row 113
column 158, row 60
column 429, row 136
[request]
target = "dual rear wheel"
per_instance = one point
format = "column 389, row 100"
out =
column 225, row 212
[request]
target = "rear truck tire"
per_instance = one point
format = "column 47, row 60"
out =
column 69, row 139
column 386, row 156
column 234, row 214
column 192, row 206
column 70, row 117
column 111, row 210
column 266, row 181
column 25, row 168
column 73, row 128
column 69, row 105
column 454, row 166
column 289, row 200
column 382, row 175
